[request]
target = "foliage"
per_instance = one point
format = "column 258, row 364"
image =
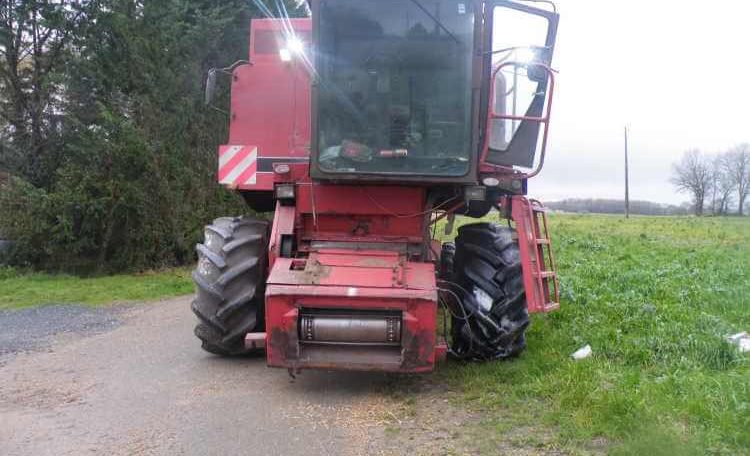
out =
column 19, row 290
column 121, row 174
column 655, row 298
column 24, row 209
column 35, row 38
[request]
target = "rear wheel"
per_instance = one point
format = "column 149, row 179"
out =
column 230, row 281
column 487, row 277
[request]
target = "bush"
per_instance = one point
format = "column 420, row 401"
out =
column 23, row 221
column 122, row 177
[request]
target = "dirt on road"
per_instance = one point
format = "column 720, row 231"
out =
column 144, row 387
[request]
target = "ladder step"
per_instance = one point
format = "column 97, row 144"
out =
column 545, row 292
column 546, row 274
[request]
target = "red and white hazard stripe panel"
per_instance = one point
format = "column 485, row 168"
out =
column 238, row 165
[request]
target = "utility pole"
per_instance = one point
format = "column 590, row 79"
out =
column 627, row 177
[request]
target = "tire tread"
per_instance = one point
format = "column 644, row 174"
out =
column 487, row 257
column 230, row 279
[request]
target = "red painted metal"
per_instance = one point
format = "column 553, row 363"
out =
column 374, row 273
column 283, row 224
column 270, row 108
column 353, row 213
column 535, row 245
column 374, row 281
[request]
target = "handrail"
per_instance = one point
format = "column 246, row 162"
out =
column 492, row 115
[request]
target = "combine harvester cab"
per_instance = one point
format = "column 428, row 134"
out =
column 362, row 128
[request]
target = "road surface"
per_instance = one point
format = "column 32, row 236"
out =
column 143, row 387
column 132, row 380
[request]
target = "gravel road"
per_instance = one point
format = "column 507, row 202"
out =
column 133, row 381
column 31, row 329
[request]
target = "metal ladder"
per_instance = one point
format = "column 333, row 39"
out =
column 538, row 262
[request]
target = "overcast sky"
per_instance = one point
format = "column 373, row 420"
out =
column 676, row 72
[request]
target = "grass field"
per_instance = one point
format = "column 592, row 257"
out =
column 654, row 297
column 18, row 290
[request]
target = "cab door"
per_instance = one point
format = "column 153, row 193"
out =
column 519, row 44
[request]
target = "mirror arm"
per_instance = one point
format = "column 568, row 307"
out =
column 211, row 80
column 230, row 68
column 513, row 48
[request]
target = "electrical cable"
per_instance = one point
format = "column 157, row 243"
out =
column 471, row 338
column 458, row 301
column 455, row 295
column 393, row 214
column 466, row 316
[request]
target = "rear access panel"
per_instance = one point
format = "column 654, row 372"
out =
column 352, row 310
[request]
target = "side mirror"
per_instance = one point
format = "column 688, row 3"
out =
column 535, row 71
column 210, row 86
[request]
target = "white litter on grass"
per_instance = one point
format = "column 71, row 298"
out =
column 583, row 352
column 741, row 340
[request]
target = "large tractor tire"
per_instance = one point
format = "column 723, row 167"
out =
column 487, row 278
column 230, row 282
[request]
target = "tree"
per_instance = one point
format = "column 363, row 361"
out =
column 737, row 169
column 34, row 40
column 723, row 185
column 693, row 175
column 122, row 172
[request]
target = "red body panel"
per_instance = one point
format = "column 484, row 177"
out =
column 360, row 213
column 380, row 281
column 270, row 108
column 354, row 254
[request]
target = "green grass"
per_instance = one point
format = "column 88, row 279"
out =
column 654, row 297
column 19, row 290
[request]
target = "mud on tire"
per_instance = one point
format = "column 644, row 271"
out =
column 487, row 278
column 230, row 282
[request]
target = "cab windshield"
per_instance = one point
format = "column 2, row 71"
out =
column 394, row 86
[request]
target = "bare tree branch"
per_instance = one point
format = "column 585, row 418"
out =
column 737, row 168
column 693, row 175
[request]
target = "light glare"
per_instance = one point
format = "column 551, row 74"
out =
column 295, row 45
column 525, row 55
column 285, row 55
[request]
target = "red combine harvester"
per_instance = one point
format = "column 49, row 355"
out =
column 363, row 127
